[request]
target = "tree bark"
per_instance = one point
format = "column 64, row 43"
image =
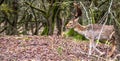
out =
column 117, row 37
column 59, row 26
column 1, row 2
column 15, row 18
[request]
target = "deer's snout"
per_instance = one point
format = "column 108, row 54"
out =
column 68, row 26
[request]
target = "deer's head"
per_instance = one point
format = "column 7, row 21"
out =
column 75, row 25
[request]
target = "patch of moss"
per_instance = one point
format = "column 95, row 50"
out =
column 75, row 35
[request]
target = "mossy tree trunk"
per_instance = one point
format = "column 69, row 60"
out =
column 15, row 17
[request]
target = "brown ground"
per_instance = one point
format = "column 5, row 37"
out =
column 47, row 48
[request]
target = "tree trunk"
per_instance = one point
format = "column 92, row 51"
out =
column 50, row 27
column 59, row 26
column 15, row 18
column 1, row 1
column 117, row 36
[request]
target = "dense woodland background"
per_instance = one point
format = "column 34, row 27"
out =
column 29, row 17
column 46, row 17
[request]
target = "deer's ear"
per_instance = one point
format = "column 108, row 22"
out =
column 76, row 19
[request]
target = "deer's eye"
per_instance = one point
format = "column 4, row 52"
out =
column 70, row 23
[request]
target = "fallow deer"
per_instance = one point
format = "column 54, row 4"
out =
column 92, row 32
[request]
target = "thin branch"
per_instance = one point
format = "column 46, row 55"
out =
column 85, row 10
column 105, row 21
column 115, row 18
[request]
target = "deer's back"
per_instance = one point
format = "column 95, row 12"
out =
column 94, row 30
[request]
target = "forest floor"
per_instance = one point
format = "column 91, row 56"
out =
column 48, row 48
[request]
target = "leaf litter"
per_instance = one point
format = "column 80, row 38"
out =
column 47, row 48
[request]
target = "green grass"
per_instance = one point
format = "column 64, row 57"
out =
column 75, row 35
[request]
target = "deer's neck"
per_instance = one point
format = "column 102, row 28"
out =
column 80, row 29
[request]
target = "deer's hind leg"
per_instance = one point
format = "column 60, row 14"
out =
column 113, row 42
column 112, row 50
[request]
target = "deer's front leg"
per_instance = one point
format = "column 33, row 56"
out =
column 90, row 46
